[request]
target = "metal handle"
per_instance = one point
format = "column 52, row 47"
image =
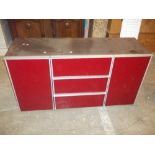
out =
column 66, row 24
column 28, row 25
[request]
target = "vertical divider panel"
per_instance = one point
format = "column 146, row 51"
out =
column 108, row 82
column 52, row 83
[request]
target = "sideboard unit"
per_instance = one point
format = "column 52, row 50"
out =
column 72, row 73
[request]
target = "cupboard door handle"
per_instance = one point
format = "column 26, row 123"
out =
column 28, row 25
column 66, row 24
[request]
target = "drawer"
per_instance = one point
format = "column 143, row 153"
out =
column 79, row 101
column 80, row 85
column 81, row 66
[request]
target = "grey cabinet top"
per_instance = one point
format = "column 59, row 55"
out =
column 75, row 47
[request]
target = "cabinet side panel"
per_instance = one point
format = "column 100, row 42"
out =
column 126, row 78
column 31, row 80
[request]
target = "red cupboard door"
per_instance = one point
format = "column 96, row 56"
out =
column 126, row 78
column 81, row 66
column 80, row 85
column 31, row 80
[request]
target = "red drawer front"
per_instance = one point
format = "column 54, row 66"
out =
column 79, row 101
column 81, row 66
column 80, row 85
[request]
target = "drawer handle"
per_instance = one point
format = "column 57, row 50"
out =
column 28, row 25
column 66, row 24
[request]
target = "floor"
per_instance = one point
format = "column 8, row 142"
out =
column 131, row 119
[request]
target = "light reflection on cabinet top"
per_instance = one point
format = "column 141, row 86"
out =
column 75, row 47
